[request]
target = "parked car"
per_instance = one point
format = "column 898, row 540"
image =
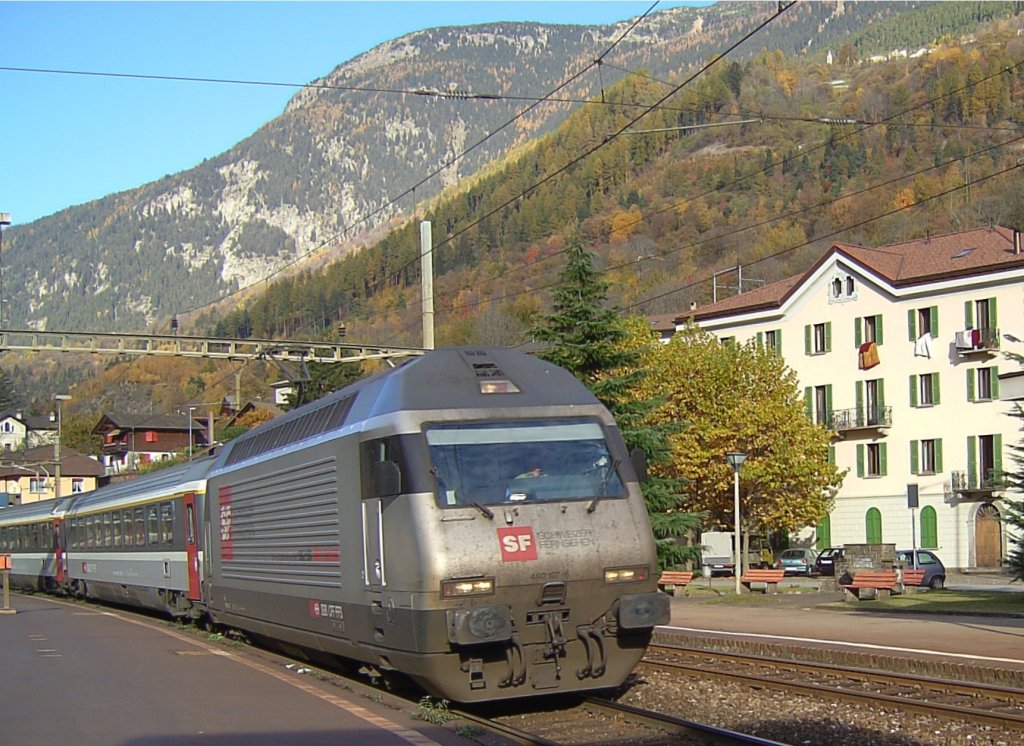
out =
column 934, row 570
column 797, row 562
column 826, row 560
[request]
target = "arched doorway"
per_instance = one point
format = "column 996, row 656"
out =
column 988, row 537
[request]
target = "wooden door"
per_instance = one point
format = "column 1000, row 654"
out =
column 988, row 540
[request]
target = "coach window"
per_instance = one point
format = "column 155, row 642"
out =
column 140, row 528
column 90, row 537
column 152, row 521
column 108, row 532
column 126, row 526
column 167, row 522
column 116, row 522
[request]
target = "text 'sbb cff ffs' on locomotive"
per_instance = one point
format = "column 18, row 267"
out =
column 470, row 519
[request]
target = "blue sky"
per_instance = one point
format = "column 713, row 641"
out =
column 69, row 139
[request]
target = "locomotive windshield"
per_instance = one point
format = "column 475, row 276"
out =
column 511, row 462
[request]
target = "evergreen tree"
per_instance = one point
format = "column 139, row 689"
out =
column 591, row 341
column 8, row 399
column 1014, row 509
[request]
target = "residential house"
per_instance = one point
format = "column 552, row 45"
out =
column 899, row 352
column 31, row 475
column 19, row 431
column 130, row 440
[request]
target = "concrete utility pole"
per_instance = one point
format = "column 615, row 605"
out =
column 427, row 272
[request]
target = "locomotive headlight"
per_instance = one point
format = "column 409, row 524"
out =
column 461, row 588
column 625, row 574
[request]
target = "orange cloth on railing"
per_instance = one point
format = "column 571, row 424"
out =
column 868, row 355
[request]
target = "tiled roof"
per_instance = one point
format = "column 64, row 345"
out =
column 927, row 259
column 72, row 463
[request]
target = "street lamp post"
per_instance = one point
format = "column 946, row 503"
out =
column 190, row 411
column 736, row 460
column 5, row 219
column 56, row 448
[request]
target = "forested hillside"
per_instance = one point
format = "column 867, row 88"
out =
column 862, row 152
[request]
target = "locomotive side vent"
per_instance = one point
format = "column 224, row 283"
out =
column 317, row 422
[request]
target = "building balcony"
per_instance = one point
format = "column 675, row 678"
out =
column 970, row 341
column 848, row 420
column 968, row 482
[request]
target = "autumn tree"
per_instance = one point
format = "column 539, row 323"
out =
column 741, row 398
column 591, row 341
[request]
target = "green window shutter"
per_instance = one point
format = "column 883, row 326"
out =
column 970, row 384
column 828, row 336
column 995, row 381
column 972, row 462
column 809, row 403
column 883, row 459
column 873, row 526
column 913, row 391
column 878, row 330
column 807, row 339
column 859, row 416
column 858, row 338
column 912, row 324
column 968, row 314
column 929, row 528
column 860, row 459
column 828, row 400
column 993, row 317
column 934, row 313
column 938, row 455
column 760, row 340
column 881, row 395
column 935, row 388
column 831, row 454
column 914, row 446
column 997, row 453
column 778, row 342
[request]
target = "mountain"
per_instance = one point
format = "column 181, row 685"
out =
column 338, row 168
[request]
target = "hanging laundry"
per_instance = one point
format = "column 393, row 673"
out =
column 923, row 345
column 975, row 337
column 868, row 355
column 963, row 340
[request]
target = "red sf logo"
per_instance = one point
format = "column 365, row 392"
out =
column 517, row 544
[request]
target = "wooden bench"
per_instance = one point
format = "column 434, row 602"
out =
column 770, row 578
column 912, row 579
column 672, row 579
column 882, row 582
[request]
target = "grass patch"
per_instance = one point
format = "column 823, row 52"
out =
column 946, row 602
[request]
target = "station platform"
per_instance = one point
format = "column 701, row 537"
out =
column 89, row 676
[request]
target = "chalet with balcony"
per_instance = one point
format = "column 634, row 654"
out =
column 131, row 440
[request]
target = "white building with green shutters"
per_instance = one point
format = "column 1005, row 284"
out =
column 900, row 351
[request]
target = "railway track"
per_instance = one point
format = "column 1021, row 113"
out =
column 593, row 720
column 975, row 703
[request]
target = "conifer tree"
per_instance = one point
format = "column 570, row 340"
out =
column 1014, row 509
column 590, row 340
